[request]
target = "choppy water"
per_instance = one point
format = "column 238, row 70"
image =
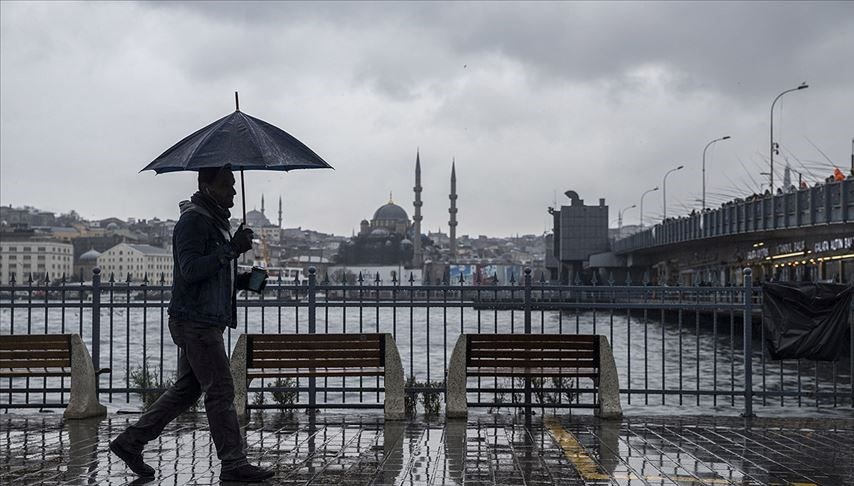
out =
column 650, row 354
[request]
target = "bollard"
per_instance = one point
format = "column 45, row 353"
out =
column 748, row 343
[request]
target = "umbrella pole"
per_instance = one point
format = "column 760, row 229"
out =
column 243, row 193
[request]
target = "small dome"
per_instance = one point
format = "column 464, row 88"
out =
column 379, row 233
column 90, row 256
column 391, row 211
column 112, row 226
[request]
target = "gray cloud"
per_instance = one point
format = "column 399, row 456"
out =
column 531, row 98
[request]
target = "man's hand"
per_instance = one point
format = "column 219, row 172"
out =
column 242, row 239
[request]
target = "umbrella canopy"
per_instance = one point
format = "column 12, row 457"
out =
column 241, row 141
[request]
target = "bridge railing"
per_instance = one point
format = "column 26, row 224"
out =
column 828, row 203
column 674, row 346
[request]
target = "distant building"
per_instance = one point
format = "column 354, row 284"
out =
column 137, row 261
column 579, row 231
column 36, row 258
column 382, row 241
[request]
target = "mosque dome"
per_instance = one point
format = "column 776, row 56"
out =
column 90, row 256
column 112, row 227
column 379, row 233
column 256, row 219
column 391, row 212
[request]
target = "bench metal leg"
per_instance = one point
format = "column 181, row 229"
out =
column 83, row 402
column 394, row 382
column 609, row 383
column 238, row 375
column 456, row 405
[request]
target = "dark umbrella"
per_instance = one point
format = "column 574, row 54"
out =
column 244, row 143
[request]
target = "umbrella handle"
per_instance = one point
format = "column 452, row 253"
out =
column 243, row 193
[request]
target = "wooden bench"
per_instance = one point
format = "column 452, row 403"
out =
column 49, row 355
column 533, row 356
column 317, row 356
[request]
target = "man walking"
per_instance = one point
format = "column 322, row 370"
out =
column 203, row 304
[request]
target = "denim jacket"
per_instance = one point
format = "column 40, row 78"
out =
column 205, row 280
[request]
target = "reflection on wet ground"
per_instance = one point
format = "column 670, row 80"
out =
column 485, row 449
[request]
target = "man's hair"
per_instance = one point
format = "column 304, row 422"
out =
column 209, row 174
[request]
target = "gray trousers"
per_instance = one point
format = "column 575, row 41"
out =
column 203, row 366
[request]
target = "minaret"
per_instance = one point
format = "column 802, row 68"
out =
column 416, row 219
column 262, row 204
column 280, row 212
column 452, row 224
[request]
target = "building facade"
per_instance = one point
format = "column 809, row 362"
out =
column 126, row 260
column 22, row 259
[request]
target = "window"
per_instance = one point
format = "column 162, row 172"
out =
column 40, row 257
column 27, row 248
column 27, row 257
column 13, row 248
column 41, row 248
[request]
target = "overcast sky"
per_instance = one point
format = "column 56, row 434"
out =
column 531, row 99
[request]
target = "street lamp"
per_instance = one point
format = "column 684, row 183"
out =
column 664, row 188
column 641, row 203
column 704, row 166
column 620, row 220
column 773, row 145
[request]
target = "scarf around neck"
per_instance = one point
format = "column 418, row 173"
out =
column 218, row 213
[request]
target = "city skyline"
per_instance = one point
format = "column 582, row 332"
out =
column 529, row 100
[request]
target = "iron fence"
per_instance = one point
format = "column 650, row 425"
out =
column 673, row 346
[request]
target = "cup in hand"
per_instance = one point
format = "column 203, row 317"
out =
column 257, row 279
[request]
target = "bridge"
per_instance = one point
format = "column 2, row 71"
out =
column 804, row 234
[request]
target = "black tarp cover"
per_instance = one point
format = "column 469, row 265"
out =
column 806, row 320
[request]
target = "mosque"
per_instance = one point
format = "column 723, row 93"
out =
column 391, row 238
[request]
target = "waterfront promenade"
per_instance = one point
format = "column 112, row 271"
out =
column 486, row 449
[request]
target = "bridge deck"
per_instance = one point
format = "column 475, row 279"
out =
column 484, row 450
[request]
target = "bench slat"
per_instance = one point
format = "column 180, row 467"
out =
column 566, row 338
column 316, row 363
column 532, row 363
column 315, row 346
column 21, row 373
column 524, row 372
column 35, row 338
column 44, row 345
column 308, row 373
column 294, row 338
column 500, row 345
column 530, row 353
column 313, row 354
column 34, row 363
column 34, row 353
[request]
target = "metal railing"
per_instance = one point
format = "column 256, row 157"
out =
column 830, row 203
column 673, row 346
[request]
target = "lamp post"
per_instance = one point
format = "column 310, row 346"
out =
column 704, row 165
column 620, row 220
column 641, row 203
column 664, row 188
column 773, row 145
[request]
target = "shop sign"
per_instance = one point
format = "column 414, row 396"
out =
column 836, row 244
column 791, row 247
column 758, row 253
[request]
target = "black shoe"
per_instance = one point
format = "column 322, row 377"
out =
column 246, row 473
column 133, row 461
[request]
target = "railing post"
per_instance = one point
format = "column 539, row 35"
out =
column 527, row 281
column 312, row 327
column 96, row 325
column 748, row 343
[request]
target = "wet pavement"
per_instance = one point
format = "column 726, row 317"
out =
column 355, row 449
